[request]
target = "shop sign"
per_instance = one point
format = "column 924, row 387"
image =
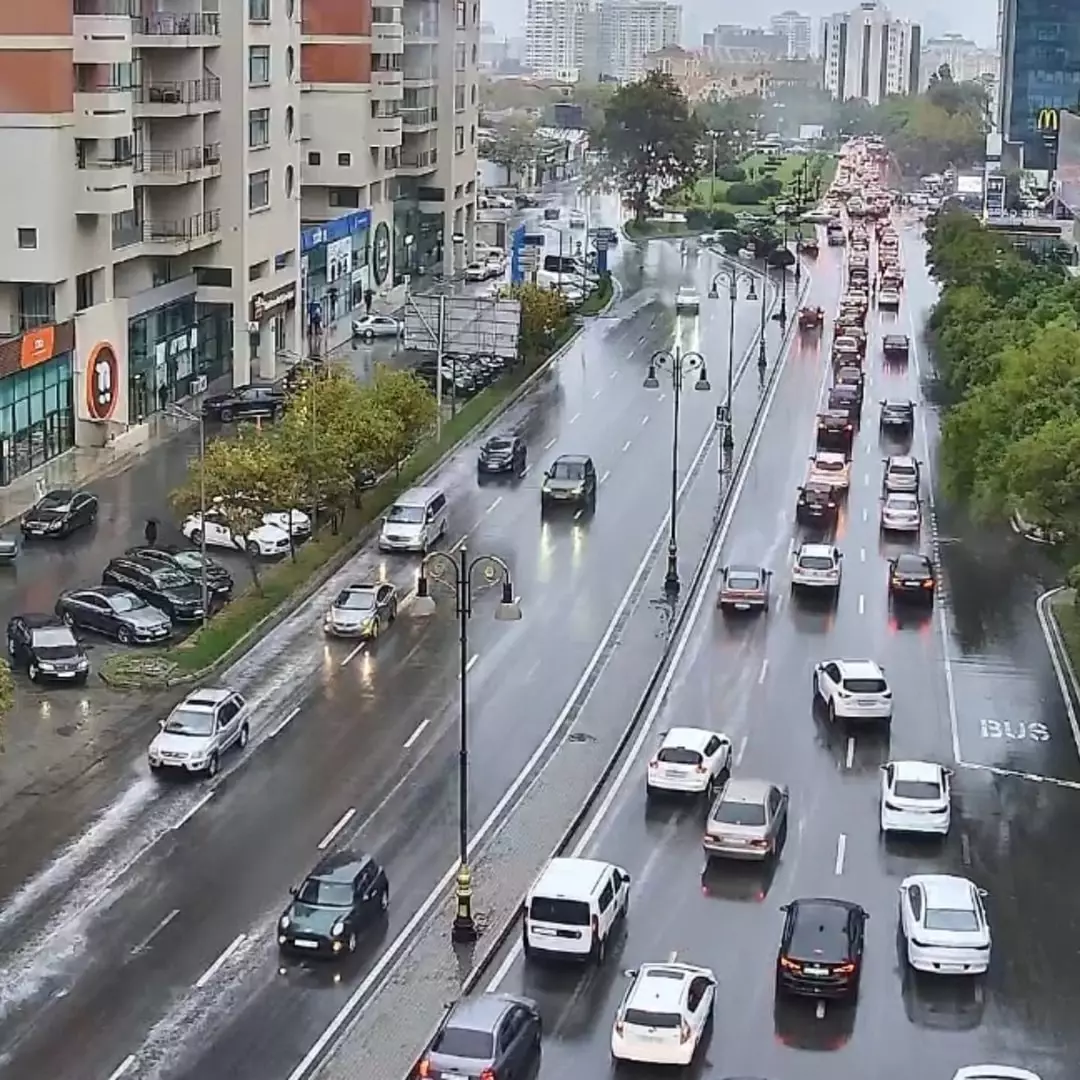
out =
column 102, row 382
column 37, row 346
column 317, row 235
column 264, row 304
column 382, row 252
column 1048, row 121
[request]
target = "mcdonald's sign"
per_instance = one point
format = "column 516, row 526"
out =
column 1048, row 121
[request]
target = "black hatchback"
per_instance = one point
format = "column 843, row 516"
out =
column 845, row 399
column 897, row 417
column 47, row 649
column 167, row 589
column 912, row 577
column 245, row 403
column 817, row 506
column 60, row 513
column 821, row 948
column 502, row 455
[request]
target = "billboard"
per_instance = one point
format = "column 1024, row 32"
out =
column 470, row 324
column 969, row 184
column 1067, row 173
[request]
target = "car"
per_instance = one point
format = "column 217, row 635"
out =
column 744, row 588
column 994, row 1072
column 828, row 467
column 901, row 512
column 817, row 566
column 912, row 577
column 846, row 349
column 219, row 582
column 59, row 513
column 817, row 505
column 747, row 820
column 915, row 798
column 901, row 473
column 376, row 326
column 294, row 521
column 821, row 948
column 663, row 1014
column 835, row 431
column 245, row 403
column 846, row 399
column 688, row 761
column 199, row 731
column 503, row 455
column 264, row 540
column 477, row 271
column 496, row 266
column 944, row 925
column 853, row 690
column 524, row 201
column 165, row 587
column 9, row 550
column 362, row 610
column 47, row 649
column 895, row 347
column 576, row 219
column 570, row 481
column 115, row 612
column 897, row 417
column 850, row 375
column 889, row 298
column 687, row 301
column 487, row 1036
column 344, row 894
column 551, row 213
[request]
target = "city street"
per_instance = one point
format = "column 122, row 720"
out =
column 973, row 688
column 139, row 917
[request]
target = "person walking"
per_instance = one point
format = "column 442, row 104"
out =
column 369, row 296
column 151, row 532
column 39, row 489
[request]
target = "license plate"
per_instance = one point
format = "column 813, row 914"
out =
column 866, row 702
column 66, row 674
column 543, row 931
column 952, row 969
column 742, row 607
column 816, row 971
column 300, row 943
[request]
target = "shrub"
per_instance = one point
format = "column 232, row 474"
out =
column 698, row 219
column 744, row 194
column 769, row 186
column 731, row 174
column 722, row 220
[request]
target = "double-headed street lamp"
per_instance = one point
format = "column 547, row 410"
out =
column 733, row 275
column 677, row 364
column 179, row 413
column 460, row 575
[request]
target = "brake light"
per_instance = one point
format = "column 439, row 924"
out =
column 928, row 584
column 843, row 969
column 685, row 1034
column 789, row 965
column 488, row 1074
column 425, row 1069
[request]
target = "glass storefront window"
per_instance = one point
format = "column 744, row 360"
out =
column 37, row 419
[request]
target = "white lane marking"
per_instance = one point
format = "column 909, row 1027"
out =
column 141, row 947
column 661, row 397
column 220, row 962
column 841, row 850
column 642, row 339
column 493, row 505
column 360, row 647
column 819, row 1012
column 410, row 742
column 604, row 477
column 626, row 446
column 644, row 420
column 862, row 604
column 192, row 812
column 597, row 393
column 472, row 662
column 764, row 671
column 866, row 480
column 849, row 759
column 575, row 418
column 577, row 514
column 865, row 515
column 613, row 374
column 550, row 443
column 123, row 1068
column 1016, row 774
column 862, row 554
column 965, row 849
column 742, row 750
column 342, row 821
column 1051, row 635
column 284, row 723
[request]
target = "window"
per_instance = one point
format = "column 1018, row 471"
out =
column 290, row 61
column 258, row 128
column 27, row 239
column 459, row 8
column 344, row 160
column 474, row 52
column 459, row 56
column 257, row 270
column 472, row 134
column 473, row 95
column 258, row 65
column 84, row 291
column 290, row 121
column 459, row 139
column 290, row 8
column 283, row 259
column 259, row 10
column 259, row 190
column 290, row 180
column 348, row 198
column 314, row 157
column 459, row 98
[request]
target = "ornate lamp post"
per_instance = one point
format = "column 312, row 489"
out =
column 733, row 275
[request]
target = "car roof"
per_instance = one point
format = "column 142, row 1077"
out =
column 38, row 620
column 659, row 988
column 744, row 568
column 570, row 878
column 905, row 461
column 102, row 590
column 907, row 558
column 746, row 789
column 834, row 414
column 418, row 496
column 824, row 550
column 341, row 866
column 817, row 487
column 823, row 906
column 572, row 459
column 60, row 495
column 688, row 738
column 918, row 771
column 897, row 403
column 830, row 455
column 208, row 697
column 480, row 1013
column 945, row 890
column 856, row 669
column 907, row 498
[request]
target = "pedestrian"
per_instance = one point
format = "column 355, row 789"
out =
column 163, row 396
column 151, row 532
column 39, row 489
column 368, row 297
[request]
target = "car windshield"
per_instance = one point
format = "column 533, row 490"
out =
column 740, row 813
column 678, row 755
column 465, row 1043
column 320, row 893
column 568, row 470
column 647, row 1019
column 902, row 502
column 52, row 637
column 961, row 919
column 816, row 562
column 498, row 444
column 123, row 602
column 846, row 343
column 170, row 579
column 828, row 465
column 905, row 468
column 563, row 912
column 355, row 600
column 743, row 582
column 190, row 722
column 405, row 515
column 917, row 789
column 865, row 686
column 897, row 407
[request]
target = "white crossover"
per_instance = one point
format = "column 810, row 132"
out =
column 198, row 731
column 944, row 925
column 853, row 690
column 830, row 468
column 664, row 1014
column 915, row 798
column 264, row 540
column 689, row 760
column 687, row 301
column 817, row 566
column 901, row 474
column 901, row 512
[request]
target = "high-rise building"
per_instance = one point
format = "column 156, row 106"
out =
column 1039, row 44
column 631, row 29
column 797, row 31
column 152, row 231
column 868, row 54
column 965, row 59
column 555, row 38
column 754, row 43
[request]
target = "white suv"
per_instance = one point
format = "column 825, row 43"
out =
column 817, row 566
column 853, row 690
column 198, row 731
column 688, row 760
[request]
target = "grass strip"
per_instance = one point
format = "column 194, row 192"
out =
column 600, row 299
column 1065, row 613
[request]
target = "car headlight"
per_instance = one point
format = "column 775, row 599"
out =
column 55, row 525
column 44, row 665
column 83, row 663
column 285, row 922
column 337, row 929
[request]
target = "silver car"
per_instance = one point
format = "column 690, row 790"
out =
column 199, row 731
column 362, row 610
column 747, row 820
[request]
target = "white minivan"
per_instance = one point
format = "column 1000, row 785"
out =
column 415, row 522
column 573, row 907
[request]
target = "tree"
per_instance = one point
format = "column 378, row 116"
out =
column 651, row 144
column 543, row 314
column 7, row 696
column 514, row 148
column 1043, row 476
column 405, row 410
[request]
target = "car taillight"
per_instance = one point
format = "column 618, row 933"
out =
column 425, row 1069
column 685, row 1033
column 488, row 1074
column 789, row 965
column 654, row 764
column 928, row 584
column 843, row 969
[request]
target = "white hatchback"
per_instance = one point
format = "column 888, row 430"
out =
column 817, row 566
column 690, row 761
column 853, row 690
column 915, row 798
column 944, row 925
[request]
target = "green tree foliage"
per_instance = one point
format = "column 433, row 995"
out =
column 731, row 125
column 402, row 410
column 650, row 141
column 7, row 696
column 544, row 313
column 514, row 147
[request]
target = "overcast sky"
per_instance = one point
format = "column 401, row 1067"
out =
column 974, row 18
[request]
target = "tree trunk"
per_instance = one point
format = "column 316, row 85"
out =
column 253, row 566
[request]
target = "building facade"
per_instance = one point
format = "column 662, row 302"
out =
column 797, row 31
column 559, row 36
column 153, row 246
column 965, row 59
column 867, row 54
column 631, row 29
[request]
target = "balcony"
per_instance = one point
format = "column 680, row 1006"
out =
column 190, row 97
column 421, row 76
column 416, row 163
column 387, row 86
column 420, row 119
column 105, row 113
column 25, row 321
column 387, row 39
column 176, row 30
column 386, row 131
column 169, row 237
column 169, row 168
column 104, row 187
column 420, row 31
column 102, row 39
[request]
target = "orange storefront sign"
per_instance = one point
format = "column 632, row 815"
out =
column 37, row 346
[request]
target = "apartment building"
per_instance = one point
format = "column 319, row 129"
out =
column 149, row 245
column 560, row 38
column 797, row 31
column 965, row 59
column 868, row 54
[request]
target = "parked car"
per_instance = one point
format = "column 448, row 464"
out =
column 59, row 514
column 376, row 326
column 115, row 612
column 9, row 550
column 265, row 541
column 245, row 403
column 219, row 581
column 46, row 649
column 167, row 588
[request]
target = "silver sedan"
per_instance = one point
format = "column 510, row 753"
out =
column 747, row 820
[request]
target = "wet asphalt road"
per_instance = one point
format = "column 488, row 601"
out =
column 109, row 939
column 752, row 677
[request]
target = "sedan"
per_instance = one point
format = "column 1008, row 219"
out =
column 373, row 326
column 59, row 514
column 687, row 301
column 901, row 513
column 245, row 403
column 114, row 612
column 912, row 577
column 915, row 798
column 830, row 468
column 944, row 925
column 747, row 821
column 744, row 588
column 362, row 611
column 477, row 271
column 821, row 948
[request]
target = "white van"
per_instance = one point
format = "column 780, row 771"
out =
column 573, row 907
column 415, row 522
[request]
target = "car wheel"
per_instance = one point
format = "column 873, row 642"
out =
column 384, row 899
column 350, row 945
column 599, row 950
column 226, row 416
column 252, row 549
column 212, row 765
column 245, row 734
column 68, row 618
column 375, row 627
column 369, row 334
column 832, row 712
column 32, row 671
column 393, row 612
column 815, row 686
column 123, row 635
column 196, row 537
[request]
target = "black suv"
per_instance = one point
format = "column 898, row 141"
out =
column 60, row 513
column 896, row 346
column 345, row 893
column 897, row 417
column 47, row 649
column 166, row 588
column 835, row 431
column 219, row 581
column 817, row 506
column 245, row 403
column 821, row 948
column 502, row 454
column 912, row 577
column 845, row 399
column 850, row 375
column 571, row 481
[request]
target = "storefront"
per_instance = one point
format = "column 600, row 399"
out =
column 37, row 417
column 334, row 272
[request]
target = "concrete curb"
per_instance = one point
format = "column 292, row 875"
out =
column 340, row 558
column 1066, row 675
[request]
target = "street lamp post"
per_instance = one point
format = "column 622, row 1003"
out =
column 782, row 316
column 678, row 364
column 733, row 275
column 182, row 414
column 459, row 575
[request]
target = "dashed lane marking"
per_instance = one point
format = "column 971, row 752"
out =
column 208, row 975
column 410, row 742
column 342, row 821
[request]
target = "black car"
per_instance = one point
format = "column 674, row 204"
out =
column 897, row 417
column 571, row 481
column 821, row 948
column 490, row 1035
column 47, row 649
column 896, row 346
column 912, row 576
column 168, row 589
column 835, row 431
column 219, row 581
column 60, row 513
column 845, row 399
column 817, row 506
column 245, row 403
column 345, row 893
column 849, row 375
column 302, row 373
column 502, row 454
column 115, row 612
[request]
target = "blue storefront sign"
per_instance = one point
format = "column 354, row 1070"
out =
column 317, row 235
column 517, row 245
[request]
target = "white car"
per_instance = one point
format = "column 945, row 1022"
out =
column 828, row 467
column 689, row 760
column 576, row 219
column 901, row 513
column 915, row 798
column 477, row 271
column 888, row 299
column 264, row 540
column 944, row 925
column 994, row 1072
column 817, row 566
column 570, row 293
column 687, row 301
column 853, row 690
column 373, row 326
column 663, row 1014
column 198, row 731
column 901, row 474
column 496, row 266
